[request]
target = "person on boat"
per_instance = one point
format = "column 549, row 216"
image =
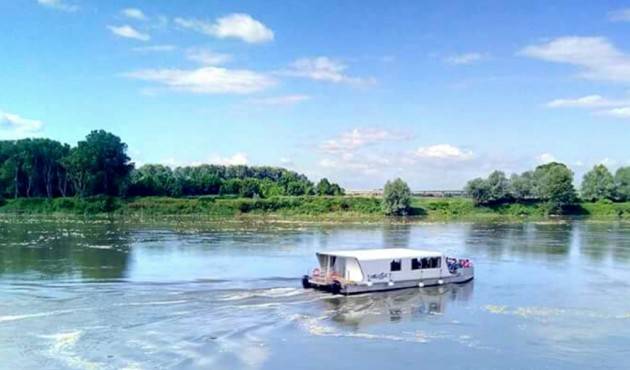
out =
column 452, row 265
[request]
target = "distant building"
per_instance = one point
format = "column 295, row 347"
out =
column 417, row 193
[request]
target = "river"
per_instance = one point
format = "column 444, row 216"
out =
column 101, row 295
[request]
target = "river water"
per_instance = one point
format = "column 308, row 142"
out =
column 100, row 295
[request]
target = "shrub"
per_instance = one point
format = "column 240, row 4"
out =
column 396, row 198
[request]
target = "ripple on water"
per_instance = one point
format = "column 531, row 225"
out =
column 62, row 349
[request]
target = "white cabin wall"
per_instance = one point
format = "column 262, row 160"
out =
column 353, row 270
column 381, row 268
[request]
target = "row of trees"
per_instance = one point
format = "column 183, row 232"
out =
column 99, row 165
column 47, row 168
column 600, row 184
column 551, row 183
column 244, row 181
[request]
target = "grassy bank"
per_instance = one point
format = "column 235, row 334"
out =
column 298, row 208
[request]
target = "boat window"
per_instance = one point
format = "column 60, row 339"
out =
column 415, row 264
column 396, row 265
column 426, row 263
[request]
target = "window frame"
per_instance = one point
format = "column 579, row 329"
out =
column 393, row 263
column 416, row 264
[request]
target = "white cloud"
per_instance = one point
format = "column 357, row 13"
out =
column 597, row 103
column 359, row 137
column 284, row 161
column 207, row 57
column 596, row 57
column 589, row 101
column 546, row 158
column 13, row 126
column 129, row 32
column 134, row 13
column 620, row 15
column 236, row 159
column 360, row 152
column 155, row 48
column 59, row 5
column 466, row 58
column 284, row 100
column 623, row 112
column 237, row 25
column 207, row 80
column 443, row 152
column 322, row 69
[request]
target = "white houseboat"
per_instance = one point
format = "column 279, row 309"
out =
column 370, row 270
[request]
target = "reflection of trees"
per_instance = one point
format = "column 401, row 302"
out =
column 538, row 240
column 54, row 250
column 396, row 235
column 600, row 240
column 374, row 308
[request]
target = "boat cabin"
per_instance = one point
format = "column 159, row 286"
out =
column 382, row 265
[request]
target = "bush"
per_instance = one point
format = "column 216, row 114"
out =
column 396, row 198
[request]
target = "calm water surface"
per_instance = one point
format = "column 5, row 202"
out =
column 112, row 296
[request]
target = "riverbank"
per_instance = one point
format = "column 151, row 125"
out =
column 304, row 208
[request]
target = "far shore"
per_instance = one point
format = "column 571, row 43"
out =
column 298, row 209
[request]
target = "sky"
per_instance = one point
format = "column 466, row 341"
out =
column 360, row 92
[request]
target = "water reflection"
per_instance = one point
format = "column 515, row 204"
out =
column 600, row 241
column 397, row 235
column 551, row 241
column 68, row 251
column 406, row 304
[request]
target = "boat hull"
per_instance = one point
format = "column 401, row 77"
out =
column 463, row 275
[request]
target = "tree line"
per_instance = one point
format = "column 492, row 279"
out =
column 99, row 165
column 552, row 184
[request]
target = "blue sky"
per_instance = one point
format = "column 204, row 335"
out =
column 358, row 91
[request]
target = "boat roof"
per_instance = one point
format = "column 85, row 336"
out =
column 382, row 253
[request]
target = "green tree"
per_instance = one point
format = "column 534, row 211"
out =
column 231, row 187
column 598, row 184
column 498, row 186
column 396, row 198
column 493, row 190
column 250, row 188
column 479, row 190
column 52, row 152
column 323, row 187
column 622, row 183
column 99, row 164
column 154, row 179
column 554, row 185
column 269, row 188
column 522, row 186
column 335, row 189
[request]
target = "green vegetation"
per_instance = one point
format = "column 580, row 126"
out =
column 550, row 186
column 210, row 206
column 297, row 208
column 548, row 189
column 99, row 165
column 396, row 198
column 622, row 184
column 96, row 177
column 598, row 184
